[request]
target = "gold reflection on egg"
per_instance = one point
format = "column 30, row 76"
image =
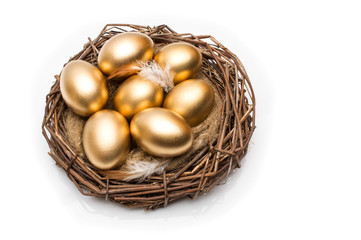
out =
column 125, row 49
column 184, row 60
column 136, row 94
column 83, row 88
column 106, row 139
column 161, row 132
column 193, row 99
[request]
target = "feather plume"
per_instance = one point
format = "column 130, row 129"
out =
column 138, row 169
column 124, row 72
column 142, row 170
column 155, row 73
column 149, row 70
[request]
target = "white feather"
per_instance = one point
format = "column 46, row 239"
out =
column 155, row 73
column 142, row 170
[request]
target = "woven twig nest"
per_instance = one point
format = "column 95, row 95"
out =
column 220, row 142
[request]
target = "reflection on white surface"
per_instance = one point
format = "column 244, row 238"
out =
column 182, row 208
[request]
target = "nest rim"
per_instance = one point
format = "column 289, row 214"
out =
column 200, row 174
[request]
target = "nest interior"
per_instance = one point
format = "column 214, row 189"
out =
column 222, row 139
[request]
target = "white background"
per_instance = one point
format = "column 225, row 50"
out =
column 302, row 176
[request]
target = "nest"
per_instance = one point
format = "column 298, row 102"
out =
column 220, row 144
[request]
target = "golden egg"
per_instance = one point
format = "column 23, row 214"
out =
column 161, row 132
column 83, row 87
column 193, row 99
column 106, row 139
column 184, row 60
column 125, row 49
column 136, row 94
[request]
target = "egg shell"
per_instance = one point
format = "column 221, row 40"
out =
column 106, row 139
column 193, row 99
column 136, row 94
column 184, row 60
column 83, row 87
column 125, row 49
column 161, row 132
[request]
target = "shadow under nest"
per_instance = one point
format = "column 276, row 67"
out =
column 221, row 141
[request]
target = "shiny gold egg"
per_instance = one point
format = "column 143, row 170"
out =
column 193, row 99
column 136, row 94
column 161, row 132
column 125, row 49
column 184, row 60
column 83, row 87
column 106, row 139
